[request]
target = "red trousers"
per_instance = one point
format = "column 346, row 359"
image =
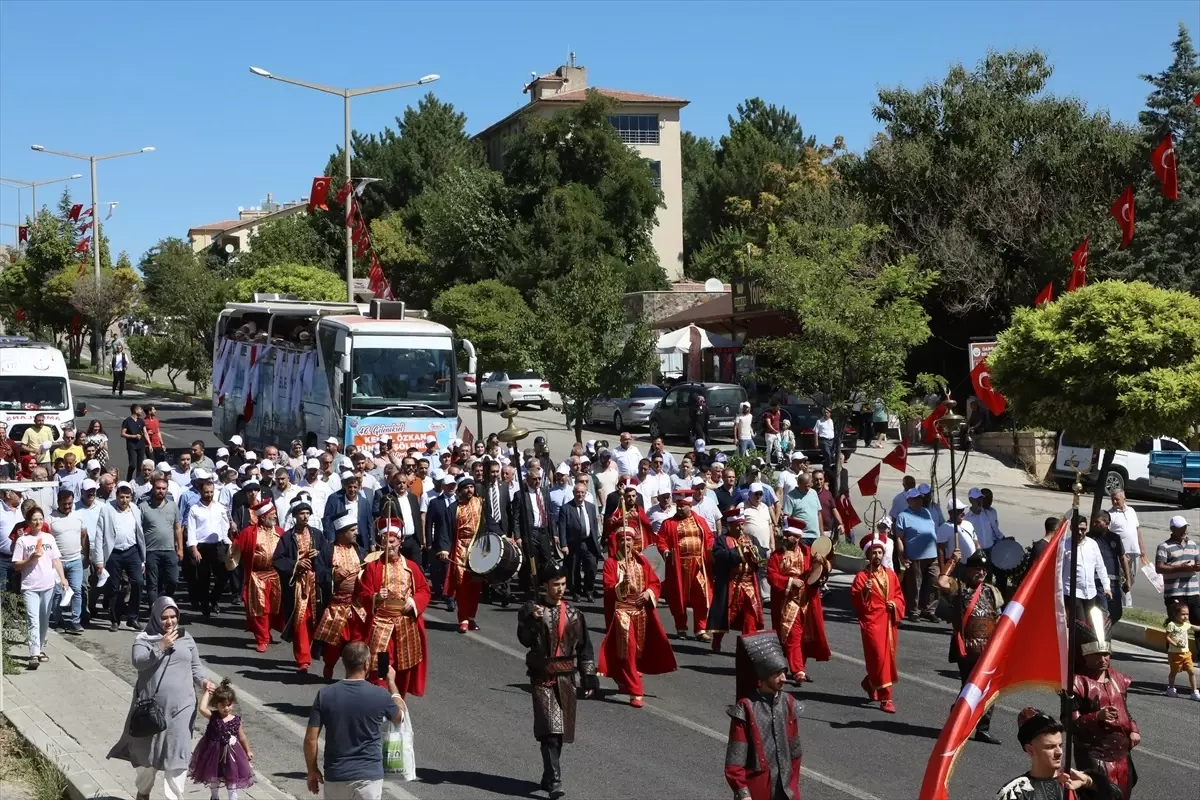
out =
column 624, row 671
column 261, row 626
column 302, row 641
column 330, row 655
column 466, row 598
column 697, row 600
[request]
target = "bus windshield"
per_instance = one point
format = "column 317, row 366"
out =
column 394, row 376
column 27, row 392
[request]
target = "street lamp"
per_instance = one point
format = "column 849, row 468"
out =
column 96, row 333
column 33, row 189
column 346, row 94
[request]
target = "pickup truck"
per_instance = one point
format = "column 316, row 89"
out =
column 1177, row 473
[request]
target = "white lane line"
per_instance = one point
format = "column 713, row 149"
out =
column 833, row 783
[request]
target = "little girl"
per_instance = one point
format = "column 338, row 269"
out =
column 223, row 755
column 1178, row 655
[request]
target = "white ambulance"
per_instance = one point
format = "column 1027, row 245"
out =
column 34, row 380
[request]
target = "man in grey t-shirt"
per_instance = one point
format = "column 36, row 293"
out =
column 352, row 713
column 164, row 538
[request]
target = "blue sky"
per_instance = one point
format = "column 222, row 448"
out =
column 104, row 77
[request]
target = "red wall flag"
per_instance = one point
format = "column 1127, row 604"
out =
column 73, row 214
column 850, row 518
column 318, row 194
column 1079, row 265
column 1045, row 297
column 1163, row 162
column 898, row 458
column 992, row 400
column 868, row 485
column 22, row 234
column 1123, row 212
column 1027, row 649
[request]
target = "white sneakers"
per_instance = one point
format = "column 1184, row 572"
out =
column 1171, row 692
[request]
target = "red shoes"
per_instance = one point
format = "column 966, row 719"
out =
column 887, row 707
column 636, row 701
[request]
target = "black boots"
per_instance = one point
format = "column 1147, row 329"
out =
column 552, row 767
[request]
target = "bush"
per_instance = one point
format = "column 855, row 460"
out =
column 149, row 352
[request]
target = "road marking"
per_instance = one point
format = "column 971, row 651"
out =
column 833, row 783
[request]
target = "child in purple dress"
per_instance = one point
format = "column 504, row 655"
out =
column 223, row 755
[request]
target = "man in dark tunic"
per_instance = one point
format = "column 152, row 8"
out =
column 1106, row 734
column 975, row 607
column 1041, row 736
column 559, row 646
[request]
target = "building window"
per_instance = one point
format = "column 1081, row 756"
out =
column 636, row 128
column 656, row 174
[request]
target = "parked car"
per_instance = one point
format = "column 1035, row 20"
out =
column 626, row 412
column 1130, row 470
column 526, row 388
column 670, row 416
column 803, row 412
column 466, row 385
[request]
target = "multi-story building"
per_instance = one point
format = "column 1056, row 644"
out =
column 236, row 233
column 648, row 123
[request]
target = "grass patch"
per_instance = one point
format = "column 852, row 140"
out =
column 25, row 772
column 15, row 633
column 845, row 548
column 1155, row 619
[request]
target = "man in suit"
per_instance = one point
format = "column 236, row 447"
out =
column 579, row 537
column 539, row 540
column 439, row 533
column 395, row 501
column 496, row 516
column 345, row 501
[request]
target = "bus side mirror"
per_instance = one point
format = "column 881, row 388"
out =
column 81, row 409
column 344, row 362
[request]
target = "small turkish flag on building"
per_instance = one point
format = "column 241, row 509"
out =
column 1079, row 265
column 1045, row 297
column 868, row 485
column 1163, row 162
column 850, row 517
column 898, row 458
column 22, row 234
column 83, row 245
column 1123, row 213
column 318, row 194
column 73, row 214
column 992, row 400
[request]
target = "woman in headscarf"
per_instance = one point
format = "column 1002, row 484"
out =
column 169, row 671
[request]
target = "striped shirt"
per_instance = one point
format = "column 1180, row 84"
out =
column 1172, row 554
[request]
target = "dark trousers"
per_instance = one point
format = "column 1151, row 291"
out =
column 118, row 382
column 543, row 551
column 829, row 456
column 124, row 568
column 437, row 573
column 698, row 427
column 1115, row 608
column 136, row 456
column 211, row 575
column 551, row 760
column 965, row 667
column 162, row 574
column 581, row 568
column 924, row 572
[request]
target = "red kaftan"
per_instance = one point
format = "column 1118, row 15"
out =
column 797, row 616
column 261, row 591
column 635, row 642
column 687, row 545
column 879, row 627
column 389, row 628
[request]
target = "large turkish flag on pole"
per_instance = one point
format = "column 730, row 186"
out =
column 1123, row 212
column 1163, row 162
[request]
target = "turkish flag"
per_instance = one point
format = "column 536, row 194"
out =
column 1163, row 162
column 992, row 400
column 1045, row 297
column 1028, row 649
column 22, row 234
column 73, row 214
column 343, row 193
column 850, row 517
column 359, row 231
column 868, row 485
column 898, row 458
column 19, row 314
column 76, row 324
column 82, row 247
column 1196, row 99
column 929, row 431
column 89, row 212
column 1123, row 212
column 318, row 194
column 1079, row 265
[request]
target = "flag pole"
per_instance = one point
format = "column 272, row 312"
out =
column 1068, row 702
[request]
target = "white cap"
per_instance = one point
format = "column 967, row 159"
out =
column 126, row 485
column 332, row 440
column 700, row 445
column 345, row 521
column 162, row 466
column 958, row 505
column 885, row 521
column 251, row 455
column 251, row 481
column 89, row 485
column 698, row 481
column 798, row 456
column 221, row 465
column 267, row 464
column 431, row 439
column 583, row 459
column 200, row 475
column 149, row 461
column 756, row 488
column 1178, row 521
column 448, row 480
column 235, row 439
column 312, row 463
column 563, row 469
column 974, row 494
column 93, row 464
column 312, row 452
column 347, row 475
column 222, row 452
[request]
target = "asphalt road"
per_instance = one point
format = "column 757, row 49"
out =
column 473, row 727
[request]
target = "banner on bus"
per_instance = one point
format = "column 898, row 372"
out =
column 406, row 431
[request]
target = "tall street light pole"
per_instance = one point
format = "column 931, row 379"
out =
column 346, row 94
column 33, row 189
column 96, row 332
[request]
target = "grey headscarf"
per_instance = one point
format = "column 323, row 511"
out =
column 154, row 628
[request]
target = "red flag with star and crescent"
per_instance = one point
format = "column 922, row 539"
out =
column 1028, row 649
column 1123, row 212
column 343, row 193
column 850, row 518
column 318, row 194
column 981, row 380
column 868, row 485
column 928, row 427
column 1045, row 296
column 898, row 458
column 1163, row 162
column 1079, row 265
column 22, row 234
column 73, row 214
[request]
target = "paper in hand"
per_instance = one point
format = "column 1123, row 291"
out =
column 103, row 579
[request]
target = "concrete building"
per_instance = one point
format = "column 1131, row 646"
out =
column 236, row 233
column 648, row 123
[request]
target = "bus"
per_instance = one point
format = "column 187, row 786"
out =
column 287, row 370
column 34, row 380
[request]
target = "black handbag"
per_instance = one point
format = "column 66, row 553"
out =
column 148, row 717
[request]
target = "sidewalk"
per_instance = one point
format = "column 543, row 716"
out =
column 73, row 710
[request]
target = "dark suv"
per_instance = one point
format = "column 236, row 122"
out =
column 671, row 416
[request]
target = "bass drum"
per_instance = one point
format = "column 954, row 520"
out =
column 656, row 560
column 1007, row 555
column 494, row 558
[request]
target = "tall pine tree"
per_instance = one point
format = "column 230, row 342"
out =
column 1166, row 247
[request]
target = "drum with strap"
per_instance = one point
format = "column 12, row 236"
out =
column 1007, row 555
column 656, row 560
column 494, row 558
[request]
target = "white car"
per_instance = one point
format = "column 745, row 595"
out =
column 515, row 389
column 1130, row 470
column 466, row 385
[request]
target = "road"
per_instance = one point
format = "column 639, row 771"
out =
column 473, row 727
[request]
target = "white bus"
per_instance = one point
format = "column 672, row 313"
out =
column 287, row 369
column 34, row 380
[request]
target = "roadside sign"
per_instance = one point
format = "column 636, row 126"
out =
column 979, row 351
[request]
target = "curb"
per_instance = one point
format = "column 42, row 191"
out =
column 180, row 397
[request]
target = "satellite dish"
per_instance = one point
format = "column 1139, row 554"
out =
column 714, row 285
column 241, row 209
column 229, row 248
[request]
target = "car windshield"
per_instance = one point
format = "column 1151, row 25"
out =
column 43, row 393
column 647, row 391
column 725, row 397
column 390, row 376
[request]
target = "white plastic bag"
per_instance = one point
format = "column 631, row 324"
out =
column 1155, row 579
column 399, row 758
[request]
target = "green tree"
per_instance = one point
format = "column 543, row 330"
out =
column 305, row 282
column 857, row 319
column 495, row 318
column 1166, row 249
column 404, row 261
column 290, row 240
column 698, row 160
column 171, row 264
column 587, row 347
column 149, row 352
column 1069, row 367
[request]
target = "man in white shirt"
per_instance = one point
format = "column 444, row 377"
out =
column 967, row 543
column 338, row 461
column 785, row 479
column 141, row 482
column 284, row 493
column 627, row 455
column 183, row 475
column 760, row 525
column 983, row 520
column 1091, row 576
column 70, row 535
column 704, row 505
column 828, row 444
column 119, row 554
column 1123, row 521
column 208, row 529
column 318, row 489
column 661, row 512
column 606, row 473
column 70, row 477
column 10, row 517
column 657, row 448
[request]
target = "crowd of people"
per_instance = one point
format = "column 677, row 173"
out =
column 340, row 552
